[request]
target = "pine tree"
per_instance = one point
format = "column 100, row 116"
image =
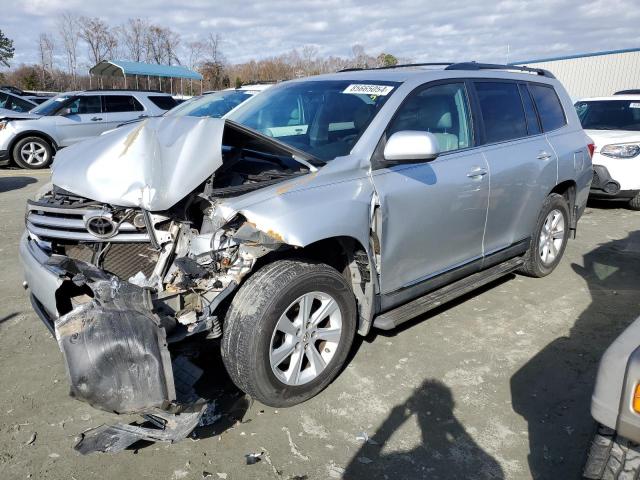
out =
column 6, row 49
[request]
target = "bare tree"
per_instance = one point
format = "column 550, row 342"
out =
column 99, row 37
column 162, row 45
column 133, row 36
column 68, row 29
column 46, row 47
column 213, row 50
column 196, row 52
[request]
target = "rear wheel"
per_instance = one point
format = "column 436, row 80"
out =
column 549, row 238
column 32, row 153
column 612, row 457
column 288, row 331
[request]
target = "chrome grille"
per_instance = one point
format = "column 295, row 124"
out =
column 68, row 223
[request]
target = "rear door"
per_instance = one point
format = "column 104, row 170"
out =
column 121, row 108
column 522, row 164
column 84, row 120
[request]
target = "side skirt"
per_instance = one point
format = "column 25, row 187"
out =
column 408, row 311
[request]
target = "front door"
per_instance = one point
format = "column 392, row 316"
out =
column 84, row 120
column 432, row 213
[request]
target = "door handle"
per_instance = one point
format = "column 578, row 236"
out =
column 477, row 173
column 96, row 119
column 544, row 155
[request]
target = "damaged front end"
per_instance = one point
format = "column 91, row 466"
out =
column 124, row 285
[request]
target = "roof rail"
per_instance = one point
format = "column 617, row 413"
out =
column 401, row 65
column 121, row 90
column 494, row 66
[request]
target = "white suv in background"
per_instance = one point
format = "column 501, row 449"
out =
column 30, row 141
column 613, row 123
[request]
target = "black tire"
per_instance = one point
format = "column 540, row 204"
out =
column 634, row 203
column 39, row 142
column 612, row 457
column 533, row 264
column 251, row 321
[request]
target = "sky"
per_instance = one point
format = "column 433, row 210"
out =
column 421, row 30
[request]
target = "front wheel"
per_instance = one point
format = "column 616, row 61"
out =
column 612, row 457
column 32, row 153
column 288, row 331
column 549, row 238
column 634, row 203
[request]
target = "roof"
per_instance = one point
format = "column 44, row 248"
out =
column 618, row 98
column 111, row 68
column 579, row 55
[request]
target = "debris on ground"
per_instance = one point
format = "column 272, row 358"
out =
column 253, row 458
column 364, row 460
column 32, row 439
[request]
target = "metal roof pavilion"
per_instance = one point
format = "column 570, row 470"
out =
column 113, row 68
column 126, row 68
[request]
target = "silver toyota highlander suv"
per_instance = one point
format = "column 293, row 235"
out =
column 30, row 140
column 318, row 210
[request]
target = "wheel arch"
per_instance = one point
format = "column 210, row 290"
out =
column 33, row 133
column 351, row 258
column 568, row 189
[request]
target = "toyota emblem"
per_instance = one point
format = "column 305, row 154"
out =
column 101, row 227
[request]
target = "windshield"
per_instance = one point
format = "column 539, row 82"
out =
column 211, row 105
column 609, row 114
column 51, row 105
column 324, row 118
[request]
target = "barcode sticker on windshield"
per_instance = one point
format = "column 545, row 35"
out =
column 362, row 89
column 634, row 105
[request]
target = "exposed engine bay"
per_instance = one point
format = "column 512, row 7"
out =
column 134, row 281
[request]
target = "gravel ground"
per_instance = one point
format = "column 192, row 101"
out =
column 495, row 385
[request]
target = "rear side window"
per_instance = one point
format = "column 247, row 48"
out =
column 533, row 125
column 549, row 107
column 502, row 111
column 121, row 103
column 164, row 102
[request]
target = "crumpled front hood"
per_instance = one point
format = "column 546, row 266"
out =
column 152, row 164
column 6, row 114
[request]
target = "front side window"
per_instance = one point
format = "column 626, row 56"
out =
column 14, row 103
column 442, row 110
column 609, row 115
column 323, row 118
column 502, row 111
column 121, row 103
column 549, row 107
column 53, row 105
column 85, row 104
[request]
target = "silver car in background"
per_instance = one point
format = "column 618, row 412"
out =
column 322, row 208
column 31, row 140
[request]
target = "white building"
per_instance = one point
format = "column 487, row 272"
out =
column 594, row 74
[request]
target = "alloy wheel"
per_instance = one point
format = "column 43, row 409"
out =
column 305, row 338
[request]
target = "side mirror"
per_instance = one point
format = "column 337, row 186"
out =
column 410, row 146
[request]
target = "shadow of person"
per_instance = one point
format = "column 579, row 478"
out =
column 552, row 391
column 15, row 183
column 446, row 451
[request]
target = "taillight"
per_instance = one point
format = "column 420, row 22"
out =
column 591, row 147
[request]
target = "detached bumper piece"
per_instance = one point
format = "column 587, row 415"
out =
column 114, row 346
column 604, row 186
column 117, row 360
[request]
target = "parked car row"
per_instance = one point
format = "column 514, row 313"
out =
column 30, row 135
